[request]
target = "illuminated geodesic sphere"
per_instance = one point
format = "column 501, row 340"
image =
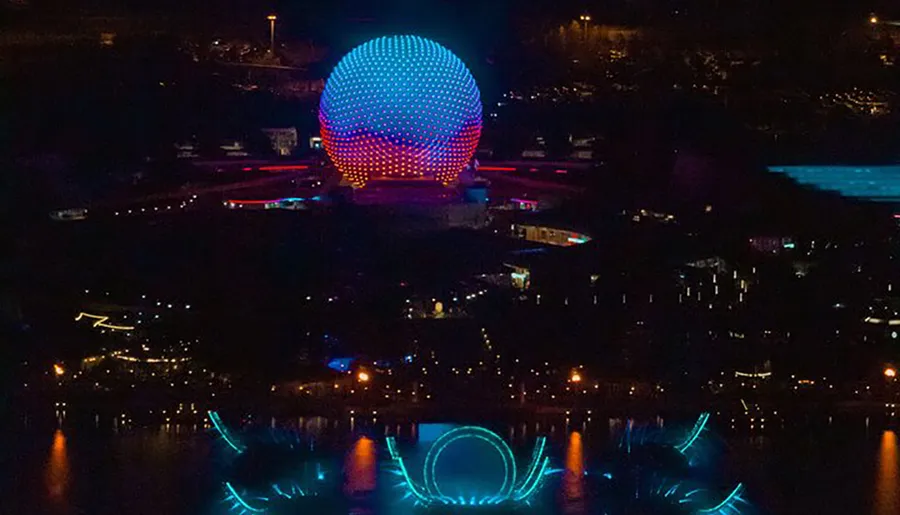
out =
column 400, row 107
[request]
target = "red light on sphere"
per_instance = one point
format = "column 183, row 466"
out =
column 400, row 107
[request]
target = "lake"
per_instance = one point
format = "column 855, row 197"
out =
column 813, row 466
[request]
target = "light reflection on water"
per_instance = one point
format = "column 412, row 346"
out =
column 57, row 470
column 887, row 478
column 361, row 470
column 573, row 478
column 147, row 470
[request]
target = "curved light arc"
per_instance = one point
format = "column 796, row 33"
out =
column 698, row 428
column 473, row 432
column 230, row 439
column 430, row 492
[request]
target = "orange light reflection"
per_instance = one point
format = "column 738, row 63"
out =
column 360, row 467
column 887, row 482
column 56, row 474
column 573, row 481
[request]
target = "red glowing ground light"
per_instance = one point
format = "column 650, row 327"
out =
column 400, row 107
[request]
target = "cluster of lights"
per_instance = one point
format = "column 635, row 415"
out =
column 184, row 204
column 754, row 375
column 281, row 203
column 400, row 107
column 539, row 384
column 124, row 357
column 439, row 308
column 101, row 322
column 882, row 321
column 172, row 368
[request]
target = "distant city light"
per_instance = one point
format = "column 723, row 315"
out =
column 575, row 378
column 58, row 369
column 363, row 377
column 101, row 322
column 873, row 20
column 759, row 375
column 890, row 372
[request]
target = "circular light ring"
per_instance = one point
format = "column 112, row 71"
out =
column 400, row 107
column 478, row 433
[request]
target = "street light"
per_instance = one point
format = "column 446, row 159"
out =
column 873, row 19
column 272, row 19
column 363, row 377
column 890, row 372
column 575, row 377
column 58, row 370
column 585, row 18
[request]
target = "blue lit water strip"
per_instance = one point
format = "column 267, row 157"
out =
column 220, row 427
column 695, row 433
column 526, row 491
column 535, row 458
column 235, row 496
column 536, row 470
column 412, row 487
column 874, row 183
column 733, row 496
column 280, row 492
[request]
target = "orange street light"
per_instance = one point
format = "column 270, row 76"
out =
column 363, row 377
column 58, row 369
column 272, row 19
column 873, row 20
column 575, row 378
column 890, row 372
column 585, row 18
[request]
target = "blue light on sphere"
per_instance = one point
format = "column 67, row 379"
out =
column 400, row 107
